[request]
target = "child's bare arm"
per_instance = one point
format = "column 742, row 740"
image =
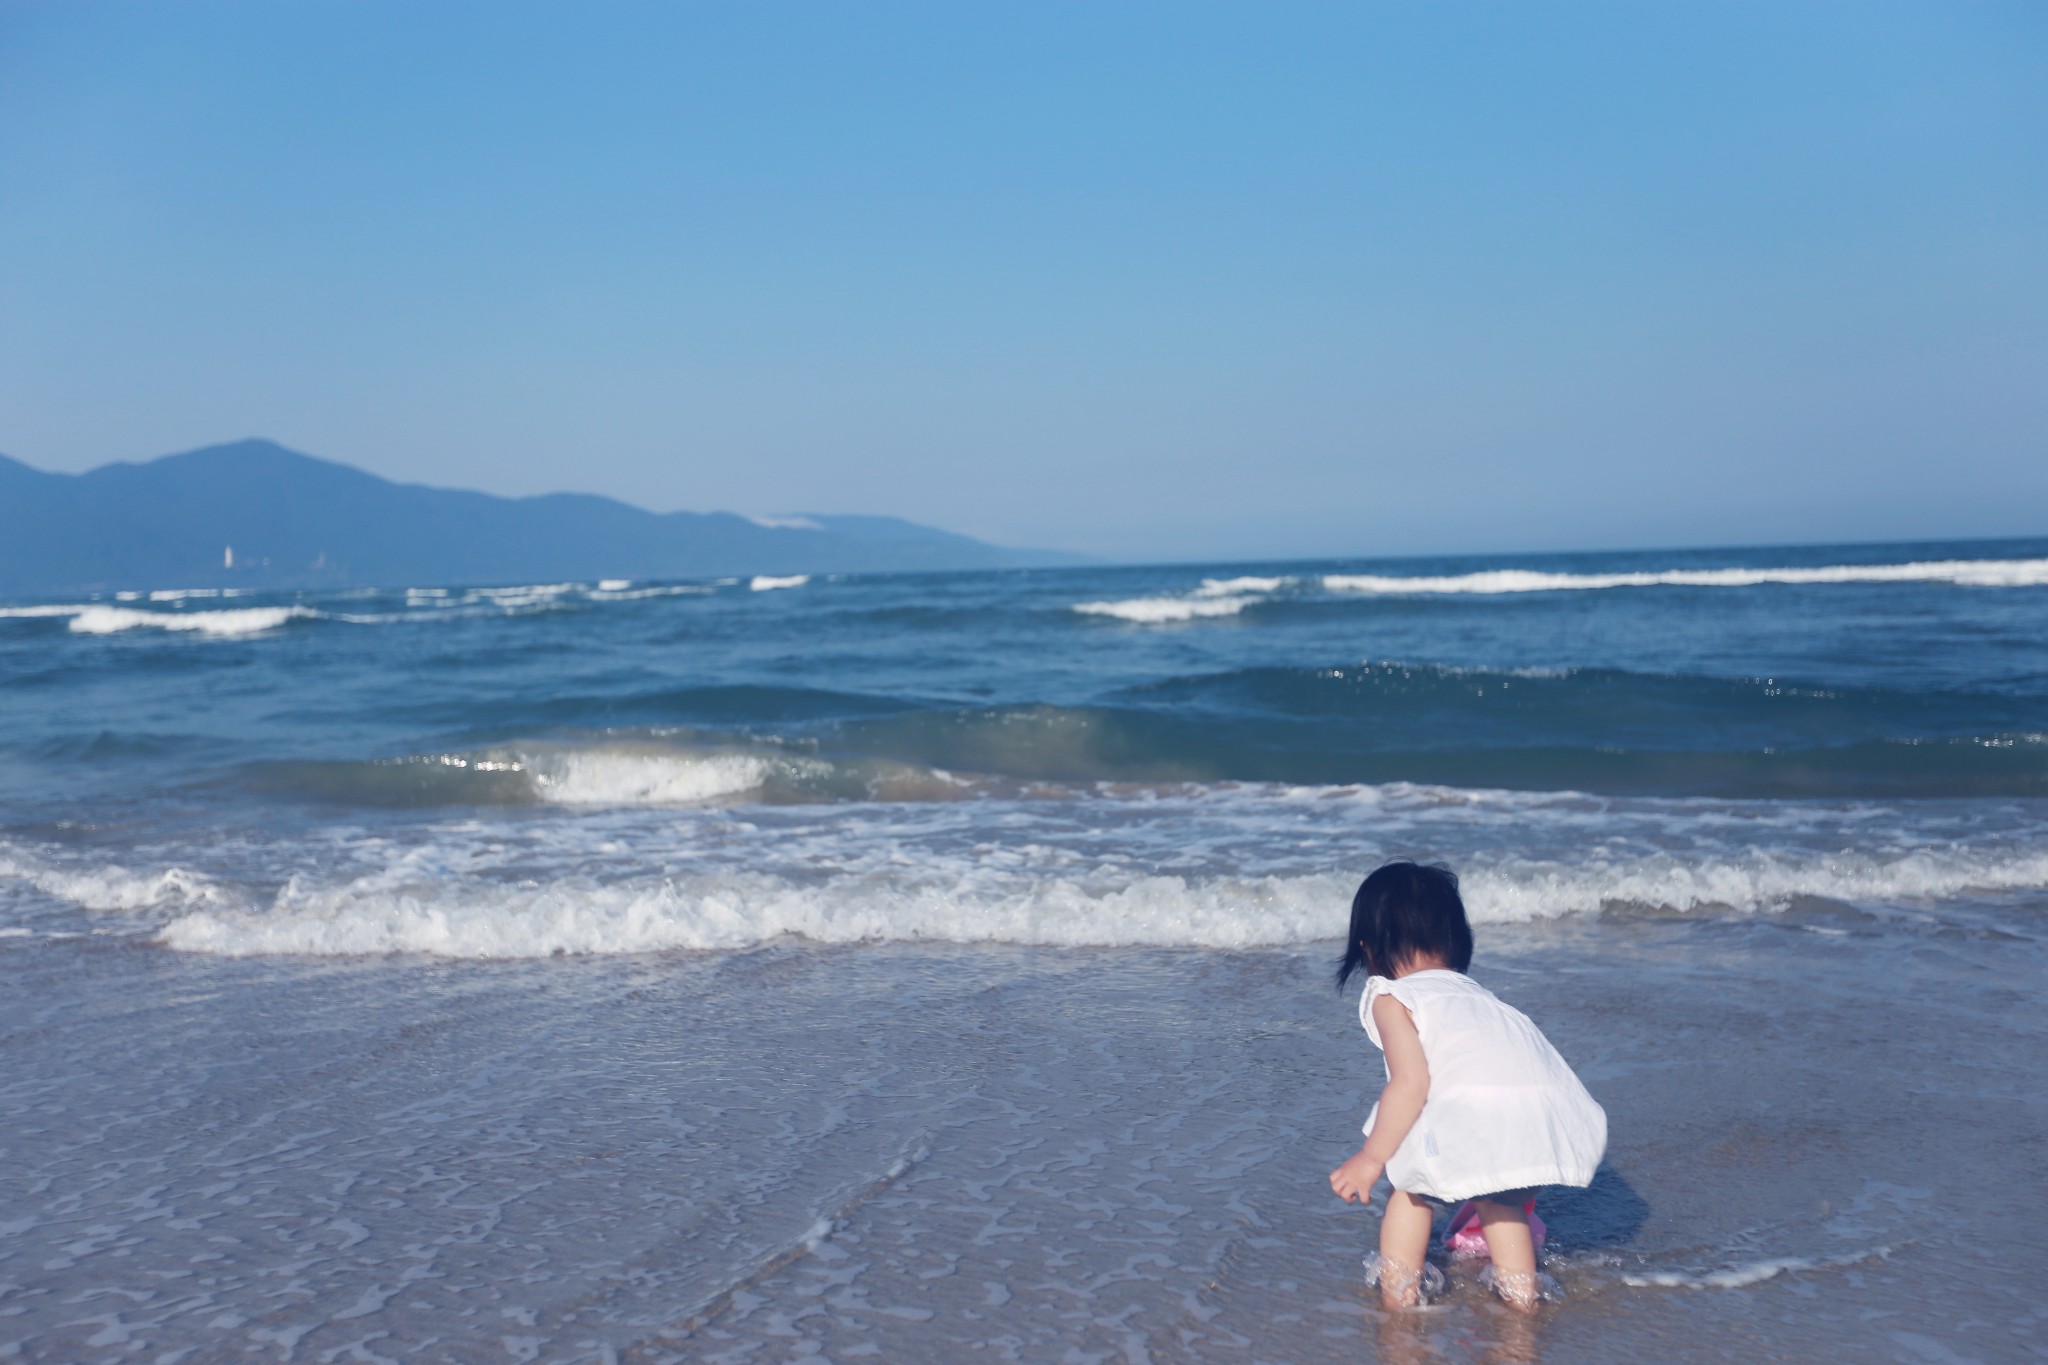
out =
column 1400, row 1103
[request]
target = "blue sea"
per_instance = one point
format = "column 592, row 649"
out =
column 922, row 966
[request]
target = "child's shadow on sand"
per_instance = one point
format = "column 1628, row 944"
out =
column 1607, row 1213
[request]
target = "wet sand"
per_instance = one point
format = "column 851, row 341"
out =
column 938, row 1153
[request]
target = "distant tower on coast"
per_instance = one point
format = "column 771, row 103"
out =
column 227, row 559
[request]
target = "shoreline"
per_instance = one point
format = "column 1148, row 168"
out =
column 933, row 1149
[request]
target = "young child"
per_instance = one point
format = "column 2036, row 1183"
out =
column 1478, row 1105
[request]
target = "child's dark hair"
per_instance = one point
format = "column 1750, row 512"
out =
column 1405, row 911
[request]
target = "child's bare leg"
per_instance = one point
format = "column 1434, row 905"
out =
column 1404, row 1242
column 1513, row 1250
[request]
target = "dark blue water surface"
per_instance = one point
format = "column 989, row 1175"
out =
column 1934, row 684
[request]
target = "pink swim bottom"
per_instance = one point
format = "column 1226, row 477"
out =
column 1464, row 1237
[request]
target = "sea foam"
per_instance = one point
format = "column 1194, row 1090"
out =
column 608, row 778
column 42, row 612
column 88, row 618
column 231, row 621
column 1215, row 597
column 524, row 598
column 1161, row 610
column 740, row 910
column 764, row 582
column 1743, row 1274
column 985, row 897
column 1230, row 596
column 110, row 887
column 1760, row 880
column 1973, row 573
column 631, row 594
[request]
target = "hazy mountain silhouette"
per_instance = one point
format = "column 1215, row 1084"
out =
column 292, row 520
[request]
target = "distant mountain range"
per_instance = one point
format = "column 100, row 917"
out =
column 256, row 515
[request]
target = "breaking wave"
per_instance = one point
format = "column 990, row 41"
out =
column 628, row 774
column 1215, row 597
column 606, row 592
column 45, row 611
column 1223, row 597
column 230, row 621
column 610, row 778
column 90, row 618
column 107, row 888
column 1972, row 573
column 657, row 856
column 1152, row 611
column 409, row 605
column 1593, row 730
column 739, row 911
column 960, row 903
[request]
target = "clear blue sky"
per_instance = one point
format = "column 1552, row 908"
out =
column 1179, row 280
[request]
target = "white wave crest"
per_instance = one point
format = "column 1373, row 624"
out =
column 603, row 594
column 764, row 582
column 231, row 621
column 1522, row 890
column 521, row 598
column 530, row 591
column 1215, row 597
column 608, row 778
column 1152, row 611
column 741, row 910
column 1973, row 573
column 111, row 887
column 43, row 612
column 959, row 899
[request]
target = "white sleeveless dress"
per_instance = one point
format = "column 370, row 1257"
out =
column 1504, row 1110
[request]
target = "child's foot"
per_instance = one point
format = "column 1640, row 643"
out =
column 1403, row 1286
column 1522, row 1288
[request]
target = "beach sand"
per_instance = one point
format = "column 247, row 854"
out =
column 1826, row 1145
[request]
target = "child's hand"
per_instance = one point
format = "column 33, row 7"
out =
column 1353, row 1181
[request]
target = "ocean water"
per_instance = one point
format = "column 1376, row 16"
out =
column 931, row 966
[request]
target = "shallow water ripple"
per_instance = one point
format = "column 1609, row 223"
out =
column 925, row 1153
